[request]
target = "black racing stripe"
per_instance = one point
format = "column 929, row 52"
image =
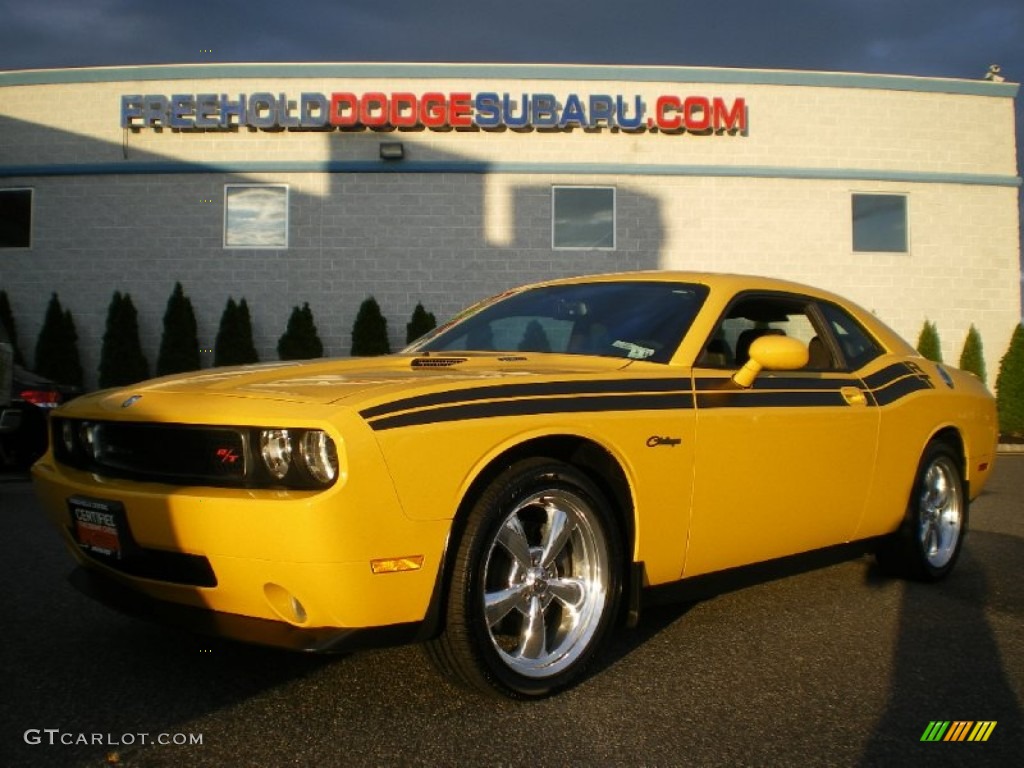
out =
column 901, row 388
column 503, row 391
column 747, row 398
column 888, row 375
column 773, row 383
column 535, row 406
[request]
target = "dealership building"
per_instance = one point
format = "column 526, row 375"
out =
column 443, row 184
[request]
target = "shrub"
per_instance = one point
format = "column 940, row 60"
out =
column 420, row 324
column 121, row 358
column 179, row 346
column 300, row 341
column 57, row 347
column 234, row 345
column 1010, row 386
column 370, row 331
column 928, row 342
column 7, row 320
column 972, row 358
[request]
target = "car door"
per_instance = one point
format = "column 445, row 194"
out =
column 783, row 466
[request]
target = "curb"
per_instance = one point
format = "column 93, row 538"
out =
column 1010, row 448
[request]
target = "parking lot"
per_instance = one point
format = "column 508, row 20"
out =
column 833, row 666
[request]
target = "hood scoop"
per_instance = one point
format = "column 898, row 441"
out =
column 436, row 362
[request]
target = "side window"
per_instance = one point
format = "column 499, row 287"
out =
column 756, row 316
column 856, row 344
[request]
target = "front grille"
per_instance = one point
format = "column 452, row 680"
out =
column 174, row 453
column 190, row 454
column 170, row 451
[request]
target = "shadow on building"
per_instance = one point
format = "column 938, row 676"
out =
column 109, row 216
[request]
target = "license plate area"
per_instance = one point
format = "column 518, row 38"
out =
column 99, row 526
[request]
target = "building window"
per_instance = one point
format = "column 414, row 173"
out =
column 255, row 216
column 583, row 217
column 880, row 223
column 15, row 218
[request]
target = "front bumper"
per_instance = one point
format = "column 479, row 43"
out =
column 277, row 568
column 246, row 629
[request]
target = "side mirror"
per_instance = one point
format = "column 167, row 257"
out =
column 773, row 353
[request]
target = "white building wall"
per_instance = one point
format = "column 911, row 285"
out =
column 436, row 229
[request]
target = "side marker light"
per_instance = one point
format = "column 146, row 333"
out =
column 397, row 564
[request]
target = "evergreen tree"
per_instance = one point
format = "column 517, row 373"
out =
column 179, row 346
column 57, row 347
column 1010, row 386
column 300, row 341
column 370, row 331
column 234, row 345
column 928, row 342
column 972, row 358
column 421, row 323
column 121, row 358
column 7, row 319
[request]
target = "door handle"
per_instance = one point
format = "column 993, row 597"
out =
column 854, row 396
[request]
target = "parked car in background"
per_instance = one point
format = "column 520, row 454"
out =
column 508, row 486
column 23, row 423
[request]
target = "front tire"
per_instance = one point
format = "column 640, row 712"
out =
column 928, row 543
column 535, row 585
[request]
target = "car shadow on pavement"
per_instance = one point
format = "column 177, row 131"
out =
column 947, row 665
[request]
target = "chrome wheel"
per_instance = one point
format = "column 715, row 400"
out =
column 535, row 583
column 928, row 542
column 940, row 512
column 546, row 578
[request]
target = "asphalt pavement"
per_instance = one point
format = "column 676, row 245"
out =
column 833, row 666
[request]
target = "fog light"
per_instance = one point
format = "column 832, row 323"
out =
column 285, row 604
column 320, row 456
column 276, row 450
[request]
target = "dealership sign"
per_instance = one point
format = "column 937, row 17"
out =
column 433, row 110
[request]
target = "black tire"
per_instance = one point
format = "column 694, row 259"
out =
column 928, row 543
column 540, row 538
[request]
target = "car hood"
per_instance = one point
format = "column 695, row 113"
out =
column 357, row 382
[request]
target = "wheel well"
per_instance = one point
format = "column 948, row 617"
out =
column 593, row 460
column 952, row 438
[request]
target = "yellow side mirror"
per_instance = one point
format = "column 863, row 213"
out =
column 773, row 353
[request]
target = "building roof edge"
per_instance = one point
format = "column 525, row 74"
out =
column 484, row 71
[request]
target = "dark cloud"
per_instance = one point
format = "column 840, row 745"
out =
column 947, row 38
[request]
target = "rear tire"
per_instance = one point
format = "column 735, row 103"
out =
column 928, row 543
column 536, row 583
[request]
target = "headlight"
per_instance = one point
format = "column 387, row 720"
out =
column 319, row 455
column 276, row 450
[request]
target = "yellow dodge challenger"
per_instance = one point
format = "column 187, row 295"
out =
column 511, row 486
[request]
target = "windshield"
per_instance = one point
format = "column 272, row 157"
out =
column 635, row 320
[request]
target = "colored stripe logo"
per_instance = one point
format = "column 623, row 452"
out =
column 958, row 730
